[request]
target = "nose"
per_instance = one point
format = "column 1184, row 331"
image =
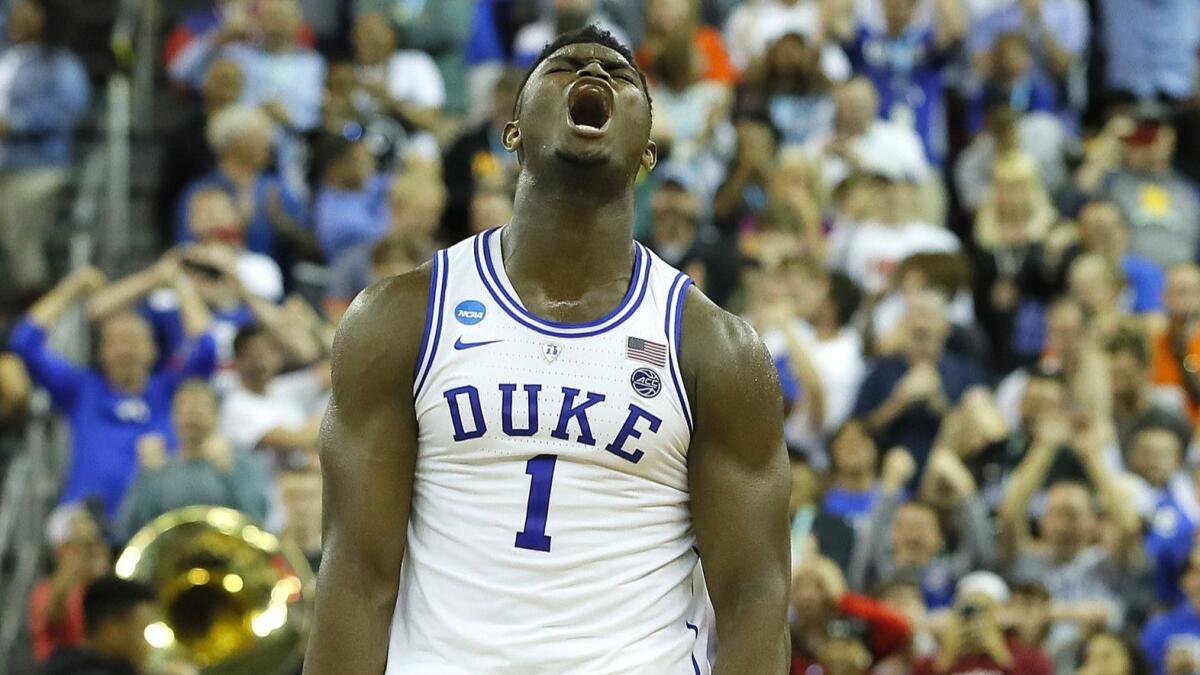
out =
column 594, row 69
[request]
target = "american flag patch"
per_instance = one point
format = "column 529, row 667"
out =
column 654, row 353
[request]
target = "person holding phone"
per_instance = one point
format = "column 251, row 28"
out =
column 974, row 641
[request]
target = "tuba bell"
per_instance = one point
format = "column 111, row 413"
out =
column 234, row 599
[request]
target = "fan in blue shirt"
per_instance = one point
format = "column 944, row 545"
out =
column 1175, row 636
column 110, row 408
column 905, row 62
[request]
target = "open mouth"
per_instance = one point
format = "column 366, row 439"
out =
column 589, row 106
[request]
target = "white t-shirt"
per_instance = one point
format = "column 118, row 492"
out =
column 289, row 402
column 872, row 250
column 840, row 364
column 887, row 147
column 751, row 28
column 413, row 77
column 261, row 275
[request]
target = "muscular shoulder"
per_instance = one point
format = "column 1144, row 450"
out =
column 378, row 339
column 728, row 372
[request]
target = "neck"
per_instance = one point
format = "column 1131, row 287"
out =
column 237, row 171
column 129, row 383
column 191, row 448
column 568, row 239
column 859, row 480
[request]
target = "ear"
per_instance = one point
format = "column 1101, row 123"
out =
column 650, row 155
column 510, row 138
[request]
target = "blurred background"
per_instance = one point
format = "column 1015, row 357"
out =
column 968, row 231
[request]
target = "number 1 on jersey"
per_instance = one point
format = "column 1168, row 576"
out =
column 541, row 472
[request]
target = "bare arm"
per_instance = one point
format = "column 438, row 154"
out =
column 46, row 311
column 1026, row 479
column 838, row 16
column 121, row 294
column 738, row 477
column 368, row 456
column 193, row 313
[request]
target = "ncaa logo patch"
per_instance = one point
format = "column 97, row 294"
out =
column 470, row 312
column 646, row 382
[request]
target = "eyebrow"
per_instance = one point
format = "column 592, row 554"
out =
column 607, row 64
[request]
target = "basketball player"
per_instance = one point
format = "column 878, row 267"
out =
column 536, row 439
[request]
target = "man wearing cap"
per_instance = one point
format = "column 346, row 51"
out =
column 975, row 643
column 1131, row 166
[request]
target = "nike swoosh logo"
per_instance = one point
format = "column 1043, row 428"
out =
column 460, row 345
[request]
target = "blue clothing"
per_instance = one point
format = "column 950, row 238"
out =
column 295, row 79
column 169, row 333
column 486, row 45
column 260, row 233
column 1151, row 46
column 1168, row 543
column 916, row 427
column 1182, row 621
column 106, row 423
column 1031, row 94
column 1146, row 280
column 343, row 219
column 788, row 383
column 847, row 504
column 47, row 97
column 907, row 71
column 800, row 119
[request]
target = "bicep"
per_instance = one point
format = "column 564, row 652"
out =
column 738, row 475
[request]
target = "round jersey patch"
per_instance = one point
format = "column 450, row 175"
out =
column 646, row 382
column 470, row 312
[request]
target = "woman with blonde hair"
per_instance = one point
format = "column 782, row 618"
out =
column 1010, row 228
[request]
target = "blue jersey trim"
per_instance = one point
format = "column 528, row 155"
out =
column 695, row 665
column 430, row 305
column 639, row 284
column 437, row 334
column 672, row 326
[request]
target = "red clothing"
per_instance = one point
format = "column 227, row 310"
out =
column 67, row 632
column 715, row 64
column 1026, row 661
column 887, row 629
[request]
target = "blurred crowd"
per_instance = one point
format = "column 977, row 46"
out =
column 967, row 230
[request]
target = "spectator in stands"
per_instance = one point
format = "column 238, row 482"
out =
column 241, row 138
column 753, row 26
column 674, row 234
column 821, row 606
column 417, row 199
column 282, row 75
column 110, row 408
column 1134, row 398
column 565, row 16
column 15, row 392
column 491, row 208
column 743, row 193
column 1012, row 223
column 351, row 208
column 975, row 641
column 666, row 19
column 267, row 411
column 870, row 251
column 1172, row 640
column 1103, row 231
column 905, row 61
column 791, row 87
column 300, row 497
column 1091, row 584
column 908, row 537
column 1177, row 344
column 1039, row 136
column 1150, row 47
column 396, row 253
column 1028, row 613
column 1155, row 456
column 1058, row 33
column 44, row 93
column 222, row 22
column 1099, row 288
column 903, row 398
column 1161, row 205
column 819, row 322
column 477, row 158
column 853, row 487
column 189, row 154
column 404, row 83
column 80, row 556
column 1111, row 653
column 116, row 613
column 1012, row 79
column 862, row 141
column 206, row 468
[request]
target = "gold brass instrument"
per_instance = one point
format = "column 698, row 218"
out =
column 235, row 600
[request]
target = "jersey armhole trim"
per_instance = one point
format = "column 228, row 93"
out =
column 673, row 327
column 433, row 325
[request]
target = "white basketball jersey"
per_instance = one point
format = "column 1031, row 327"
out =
column 550, row 529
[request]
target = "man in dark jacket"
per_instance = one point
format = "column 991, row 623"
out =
column 115, row 614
